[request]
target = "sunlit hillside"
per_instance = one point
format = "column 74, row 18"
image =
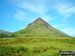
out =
column 31, row 46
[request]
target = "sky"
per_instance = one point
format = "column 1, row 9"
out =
column 17, row 14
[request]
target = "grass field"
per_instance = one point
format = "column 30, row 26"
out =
column 31, row 46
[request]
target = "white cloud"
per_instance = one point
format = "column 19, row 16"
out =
column 46, row 18
column 37, row 6
column 58, row 25
column 41, row 7
column 20, row 15
column 65, row 9
column 70, row 31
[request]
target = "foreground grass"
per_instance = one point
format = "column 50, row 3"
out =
column 31, row 46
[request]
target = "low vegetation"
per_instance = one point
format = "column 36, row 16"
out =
column 31, row 46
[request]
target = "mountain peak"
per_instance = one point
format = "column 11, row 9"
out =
column 39, row 18
column 41, row 28
column 38, row 21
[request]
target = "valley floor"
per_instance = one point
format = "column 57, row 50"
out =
column 31, row 46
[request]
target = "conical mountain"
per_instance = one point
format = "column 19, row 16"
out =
column 40, row 28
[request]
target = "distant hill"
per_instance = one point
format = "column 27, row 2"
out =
column 40, row 28
column 4, row 33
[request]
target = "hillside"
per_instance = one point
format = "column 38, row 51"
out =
column 40, row 28
column 4, row 33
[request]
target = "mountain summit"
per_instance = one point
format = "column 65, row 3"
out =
column 38, row 22
column 40, row 28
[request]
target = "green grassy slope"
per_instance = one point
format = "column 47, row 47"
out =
column 35, row 46
column 40, row 28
